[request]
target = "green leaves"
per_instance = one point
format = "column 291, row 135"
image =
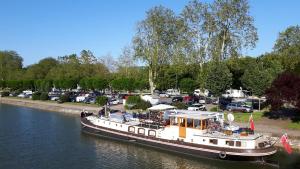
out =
column 93, row 83
column 259, row 76
column 101, row 100
column 187, row 85
column 219, row 78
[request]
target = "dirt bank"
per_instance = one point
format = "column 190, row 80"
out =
column 50, row 106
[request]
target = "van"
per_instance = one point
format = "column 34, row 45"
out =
column 172, row 92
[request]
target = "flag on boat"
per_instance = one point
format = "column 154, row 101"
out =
column 251, row 123
column 285, row 142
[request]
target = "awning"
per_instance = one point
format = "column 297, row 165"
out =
column 161, row 107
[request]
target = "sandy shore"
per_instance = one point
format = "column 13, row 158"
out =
column 50, row 106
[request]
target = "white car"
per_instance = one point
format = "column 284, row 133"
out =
column 22, row 95
column 114, row 101
column 172, row 92
column 197, row 107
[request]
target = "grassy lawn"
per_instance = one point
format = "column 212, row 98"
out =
column 294, row 126
column 244, row 117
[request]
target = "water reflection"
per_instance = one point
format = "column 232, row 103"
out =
column 118, row 154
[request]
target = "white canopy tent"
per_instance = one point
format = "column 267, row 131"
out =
column 161, row 107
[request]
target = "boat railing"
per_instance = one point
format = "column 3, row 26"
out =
column 150, row 124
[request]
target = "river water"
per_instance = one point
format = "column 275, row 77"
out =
column 37, row 139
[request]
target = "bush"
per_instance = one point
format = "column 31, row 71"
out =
column 133, row 99
column 142, row 105
column 180, row 105
column 137, row 103
column 4, row 93
column 44, row 96
column 36, row 96
column 64, row 98
column 101, row 100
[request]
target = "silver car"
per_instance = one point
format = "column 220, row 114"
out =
column 238, row 107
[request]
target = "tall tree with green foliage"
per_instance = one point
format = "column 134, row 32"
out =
column 287, row 47
column 188, row 85
column 234, row 27
column 41, row 69
column 154, row 40
column 258, row 77
column 201, row 28
column 287, row 38
column 10, row 65
column 218, row 79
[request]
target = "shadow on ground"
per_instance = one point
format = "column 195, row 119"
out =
column 284, row 114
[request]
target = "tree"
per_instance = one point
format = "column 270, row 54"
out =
column 10, row 65
column 237, row 67
column 125, row 61
column 201, row 28
column 284, row 89
column 68, row 68
column 154, row 39
column 288, row 38
column 100, row 83
column 234, row 26
column 123, row 84
column 258, row 77
column 219, row 78
column 101, row 100
column 287, row 47
column 187, row 85
column 41, row 69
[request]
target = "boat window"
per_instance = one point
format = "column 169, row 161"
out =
column 190, row 123
column 238, row 144
column 197, row 123
column 131, row 129
column 173, row 121
column 182, row 122
column 141, row 131
column 152, row 133
column 230, row 143
column 213, row 141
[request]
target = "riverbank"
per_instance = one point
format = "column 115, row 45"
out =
column 71, row 109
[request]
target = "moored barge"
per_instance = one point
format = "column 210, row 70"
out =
column 201, row 134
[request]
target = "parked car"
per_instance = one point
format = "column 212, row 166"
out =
column 177, row 99
column 202, row 100
column 114, row 101
column 197, row 107
column 172, row 92
column 223, row 102
column 238, row 107
column 90, row 100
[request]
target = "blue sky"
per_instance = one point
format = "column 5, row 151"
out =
column 41, row 28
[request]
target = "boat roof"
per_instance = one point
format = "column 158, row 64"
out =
column 178, row 111
column 191, row 116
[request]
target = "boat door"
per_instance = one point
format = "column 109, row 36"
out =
column 182, row 127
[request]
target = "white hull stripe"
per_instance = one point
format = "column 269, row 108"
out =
column 182, row 146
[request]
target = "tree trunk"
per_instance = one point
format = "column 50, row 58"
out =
column 151, row 80
column 223, row 46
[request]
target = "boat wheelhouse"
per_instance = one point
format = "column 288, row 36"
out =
column 195, row 133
